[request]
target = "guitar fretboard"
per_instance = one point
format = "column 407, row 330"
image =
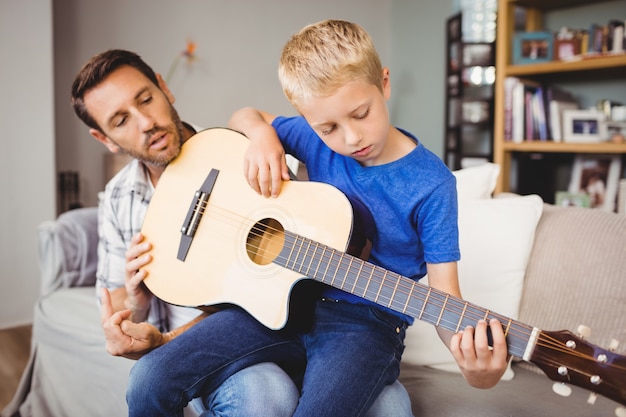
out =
column 388, row 289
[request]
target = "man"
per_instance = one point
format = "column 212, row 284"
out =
column 129, row 108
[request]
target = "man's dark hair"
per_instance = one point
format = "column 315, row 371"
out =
column 96, row 70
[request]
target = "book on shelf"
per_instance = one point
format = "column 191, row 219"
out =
column 519, row 114
column 533, row 111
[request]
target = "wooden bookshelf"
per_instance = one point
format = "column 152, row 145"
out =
column 597, row 67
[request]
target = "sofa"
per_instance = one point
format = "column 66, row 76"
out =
column 547, row 266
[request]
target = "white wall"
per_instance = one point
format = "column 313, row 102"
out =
column 238, row 46
column 27, row 158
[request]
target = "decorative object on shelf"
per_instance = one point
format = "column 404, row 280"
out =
column 533, row 47
column 615, row 38
column 188, row 55
column 567, row 199
column 567, row 44
column 584, row 126
column 597, row 176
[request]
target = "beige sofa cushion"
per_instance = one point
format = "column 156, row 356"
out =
column 577, row 274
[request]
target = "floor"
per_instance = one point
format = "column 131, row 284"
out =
column 14, row 353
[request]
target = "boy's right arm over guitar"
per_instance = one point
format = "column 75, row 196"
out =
column 265, row 166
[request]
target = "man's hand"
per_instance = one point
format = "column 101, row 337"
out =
column 123, row 337
column 138, row 297
column 481, row 365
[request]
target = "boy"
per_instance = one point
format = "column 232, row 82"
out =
column 332, row 75
column 352, row 348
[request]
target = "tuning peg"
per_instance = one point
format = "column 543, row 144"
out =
column 583, row 331
column 613, row 345
column 620, row 412
column 561, row 389
column 592, row 398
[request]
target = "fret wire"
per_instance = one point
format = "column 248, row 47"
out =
column 362, row 264
column 425, row 302
column 367, row 285
column 382, row 284
column 330, row 256
column 508, row 327
column 320, row 259
column 393, row 293
column 487, row 312
column 458, row 326
column 443, row 307
column 298, row 250
column 291, row 251
column 311, row 257
column 346, row 274
column 353, row 289
column 406, row 304
column 337, row 269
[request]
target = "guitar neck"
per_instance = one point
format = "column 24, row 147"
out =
column 399, row 293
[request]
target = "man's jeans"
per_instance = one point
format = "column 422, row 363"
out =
column 351, row 353
column 266, row 390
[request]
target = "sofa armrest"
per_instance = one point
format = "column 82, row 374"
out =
column 68, row 250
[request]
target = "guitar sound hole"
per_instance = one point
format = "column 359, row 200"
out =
column 265, row 241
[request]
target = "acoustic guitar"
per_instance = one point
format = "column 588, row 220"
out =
column 216, row 241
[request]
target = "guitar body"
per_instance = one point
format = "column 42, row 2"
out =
column 220, row 267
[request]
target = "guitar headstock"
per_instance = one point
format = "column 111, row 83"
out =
column 567, row 358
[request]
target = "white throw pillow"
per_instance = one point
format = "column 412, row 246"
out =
column 495, row 238
column 477, row 181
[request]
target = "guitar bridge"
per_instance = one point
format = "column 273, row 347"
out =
column 195, row 213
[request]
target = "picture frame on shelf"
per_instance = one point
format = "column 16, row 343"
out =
column 597, row 176
column 567, row 199
column 478, row 54
column 565, row 49
column 533, row 47
column 583, row 126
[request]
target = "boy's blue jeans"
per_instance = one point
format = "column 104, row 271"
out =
column 350, row 353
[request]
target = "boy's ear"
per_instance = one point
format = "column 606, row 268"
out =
column 101, row 137
column 386, row 83
column 163, row 86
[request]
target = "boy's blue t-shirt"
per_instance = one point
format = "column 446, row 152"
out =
column 406, row 208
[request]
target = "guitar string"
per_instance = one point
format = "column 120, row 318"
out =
column 426, row 292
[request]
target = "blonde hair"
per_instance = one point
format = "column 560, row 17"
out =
column 325, row 56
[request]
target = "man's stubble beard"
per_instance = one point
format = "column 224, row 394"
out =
column 162, row 160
